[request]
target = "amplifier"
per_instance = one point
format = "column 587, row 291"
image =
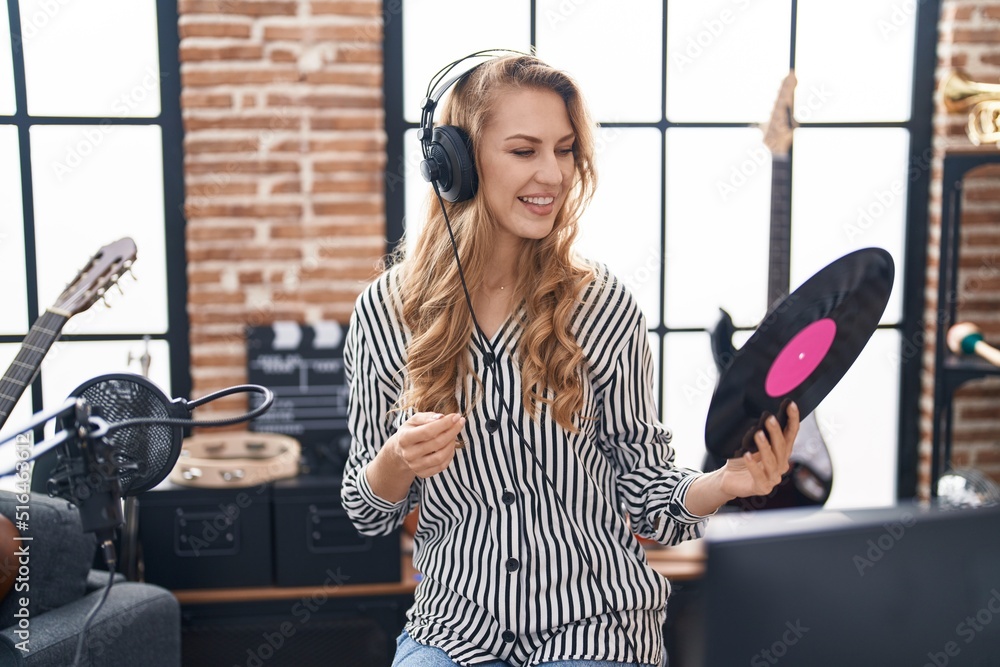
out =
column 206, row 538
column 315, row 541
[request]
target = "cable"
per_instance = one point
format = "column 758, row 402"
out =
column 167, row 421
column 111, row 559
column 484, row 342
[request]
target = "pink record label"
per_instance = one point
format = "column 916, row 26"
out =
column 800, row 357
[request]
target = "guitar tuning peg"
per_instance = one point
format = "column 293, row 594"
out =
column 131, row 272
column 119, row 288
column 104, row 300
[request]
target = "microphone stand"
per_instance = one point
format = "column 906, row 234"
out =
column 87, row 475
column 40, row 448
column 130, row 531
column 89, row 478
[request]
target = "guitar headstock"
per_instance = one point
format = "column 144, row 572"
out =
column 778, row 133
column 103, row 270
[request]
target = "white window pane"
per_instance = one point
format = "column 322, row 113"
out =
column 718, row 206
column 95, row 58
column 622, row 78
column 94, row 185
column 850, row 190
column 7, row 102
column 418, row 191
column 726, row 59
column 70, row 364
column 622, row 226
column 15, row 307
column 654, row 348
column 842, row 82
column 436, row 32
column 859, row 421
column 689, row 378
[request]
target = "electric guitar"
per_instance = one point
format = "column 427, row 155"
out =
column 810, row 478
column 103, row 270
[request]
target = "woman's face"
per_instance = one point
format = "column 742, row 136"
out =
column 526, row 162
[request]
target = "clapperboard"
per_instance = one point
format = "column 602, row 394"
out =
column 304, row 366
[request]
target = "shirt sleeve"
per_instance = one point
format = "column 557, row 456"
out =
column 651, row 487
column 370, row 401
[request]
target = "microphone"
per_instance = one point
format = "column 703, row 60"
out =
column 119, row 435
column 102, row 461
column 965, row 338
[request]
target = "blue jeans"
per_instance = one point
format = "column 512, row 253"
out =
column 411, row 654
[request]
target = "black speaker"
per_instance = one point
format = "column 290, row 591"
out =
column 308, row 632
column 315, row 541
column 206, row 538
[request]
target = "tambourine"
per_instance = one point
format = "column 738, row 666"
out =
column 226, row 460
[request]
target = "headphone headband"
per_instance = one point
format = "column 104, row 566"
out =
column 440, row 89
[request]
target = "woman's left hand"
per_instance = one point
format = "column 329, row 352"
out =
column 756, row 474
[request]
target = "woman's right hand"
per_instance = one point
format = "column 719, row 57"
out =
column 425, row 444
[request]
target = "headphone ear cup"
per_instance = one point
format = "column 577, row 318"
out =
column 451, row 149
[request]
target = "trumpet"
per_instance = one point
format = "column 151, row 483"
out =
column 982, row 100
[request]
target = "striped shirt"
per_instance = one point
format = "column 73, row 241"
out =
column 526, row 546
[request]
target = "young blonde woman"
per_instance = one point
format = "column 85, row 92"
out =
column 527, row 433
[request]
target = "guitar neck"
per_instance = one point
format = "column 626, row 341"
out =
column 24, row 368
column 779, row 260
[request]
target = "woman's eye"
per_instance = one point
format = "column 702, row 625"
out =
column 566, row 151
column 523, row 153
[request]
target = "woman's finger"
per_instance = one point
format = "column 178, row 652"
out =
column 766, row 443
column 434, row 462
column 791, row 426
column 441, row 425
column 428, row 444
column 771, row 468
column 757, row 474
column 780, row 447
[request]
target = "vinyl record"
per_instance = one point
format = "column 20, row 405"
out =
column 802, row 349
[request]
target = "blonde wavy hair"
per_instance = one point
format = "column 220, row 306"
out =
column 549, row 279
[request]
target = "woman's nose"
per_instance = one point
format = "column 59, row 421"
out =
column 549, row 171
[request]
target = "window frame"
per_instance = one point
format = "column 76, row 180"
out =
column 919, row 125
column 172, row 134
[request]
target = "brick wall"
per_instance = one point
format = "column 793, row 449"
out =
column 284, row 150
column 969, row 38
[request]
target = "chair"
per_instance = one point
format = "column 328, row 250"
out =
column 55, row 589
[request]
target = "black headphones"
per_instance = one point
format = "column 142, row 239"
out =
column 448, row 158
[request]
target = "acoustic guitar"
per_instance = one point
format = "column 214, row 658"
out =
column 104, row 269
column 810, row 479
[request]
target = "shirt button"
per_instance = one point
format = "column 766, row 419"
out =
column 508, row 497
column 512, row 564
column 508, row 636
column 492, row 425
column 489, row 358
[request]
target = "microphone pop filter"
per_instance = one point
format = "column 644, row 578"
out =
column 151, row 449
